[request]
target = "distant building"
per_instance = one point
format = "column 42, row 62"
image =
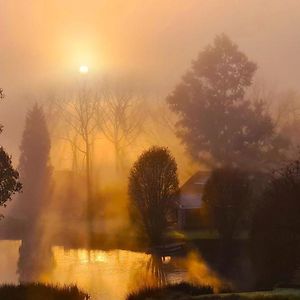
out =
column 190, row 201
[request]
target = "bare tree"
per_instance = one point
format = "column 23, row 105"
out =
column 121, row 117
column 80, row 114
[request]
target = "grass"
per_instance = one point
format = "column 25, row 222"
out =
column 175, row 290
column 251, row 296
column 281, row 293
column 39, row 291
column 186, row 291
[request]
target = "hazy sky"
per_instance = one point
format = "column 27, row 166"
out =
column 45, row 41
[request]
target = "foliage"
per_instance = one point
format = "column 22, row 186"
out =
column 35, row 145
column 252, row 296
column 186, row 291
column 276, row 227
column 226, row 196
column 34, row 164
column 183, row 288
column 153, row 187
column 39, row 291
column 34, row 202
column 9, row 177
column 216, row 121
column 9, row 183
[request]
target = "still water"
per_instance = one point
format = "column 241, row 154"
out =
column 105, row 275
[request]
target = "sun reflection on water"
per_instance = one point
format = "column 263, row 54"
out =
column 111, row 274
column 103, row 274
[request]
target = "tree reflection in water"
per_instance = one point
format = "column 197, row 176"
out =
column 36, row 260
column 155, row 267
column 151, row 273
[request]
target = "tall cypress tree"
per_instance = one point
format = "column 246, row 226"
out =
column 34, row 165
column 35, row 251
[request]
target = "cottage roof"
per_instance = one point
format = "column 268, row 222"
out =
column 191, row 191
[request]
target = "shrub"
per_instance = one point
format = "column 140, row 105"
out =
column 39, row 291
column 183, row 288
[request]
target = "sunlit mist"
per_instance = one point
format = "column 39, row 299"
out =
column 149, row 148
column 83, row 69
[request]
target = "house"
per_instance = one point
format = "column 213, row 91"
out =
column 190, row 201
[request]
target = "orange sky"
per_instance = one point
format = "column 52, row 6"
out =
column 45, row 41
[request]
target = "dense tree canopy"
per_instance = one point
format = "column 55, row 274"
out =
column 9, row 177
column 153, row 187
column 216, row 121
column 33, row 204
column 226, row 197
column 34, row 166
column 276, row 227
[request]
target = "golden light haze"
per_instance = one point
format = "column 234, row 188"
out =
column 152, row 41
column 93, row 86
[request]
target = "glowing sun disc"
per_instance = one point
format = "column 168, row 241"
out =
column 83, row 69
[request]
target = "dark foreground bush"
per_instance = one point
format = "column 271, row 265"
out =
column 39, row 291
column 185, row 291
column 250, row 297
column 182, row 288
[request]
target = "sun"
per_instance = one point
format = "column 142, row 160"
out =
column 83, row 69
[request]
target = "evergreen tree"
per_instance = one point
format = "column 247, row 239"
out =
column 35, row 251
column 217, row 123
column 34, row 165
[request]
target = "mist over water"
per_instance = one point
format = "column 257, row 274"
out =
column 90, row 86
column 106, row 274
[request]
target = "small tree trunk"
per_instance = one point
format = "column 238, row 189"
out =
column 89, row 192
column 119, row 159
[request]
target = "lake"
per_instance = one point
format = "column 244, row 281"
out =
column 104, row 275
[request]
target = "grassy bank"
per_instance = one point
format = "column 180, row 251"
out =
column 172, row 291
column 185, row 291
column 280, row 294
column 38, row 291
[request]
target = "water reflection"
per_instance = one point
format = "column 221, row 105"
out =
column 199, row 272
column 152, row 272
column 9, row 253
column 104, row 275
column 155, row 268
column 36, row 261
column 108, row 274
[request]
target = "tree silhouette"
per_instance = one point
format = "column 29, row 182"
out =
column 35, row 251
column 216, row 121
column 9, row 177
column 153, row 186
column 276, row 228
column 226, row 196
column 80, row 115
column 121, row 117
column 226, row 200
column 34, row 165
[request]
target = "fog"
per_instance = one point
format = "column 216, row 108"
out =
column 44, row 42
column 89, row 85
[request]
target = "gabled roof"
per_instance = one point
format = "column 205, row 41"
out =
column 191, row 191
